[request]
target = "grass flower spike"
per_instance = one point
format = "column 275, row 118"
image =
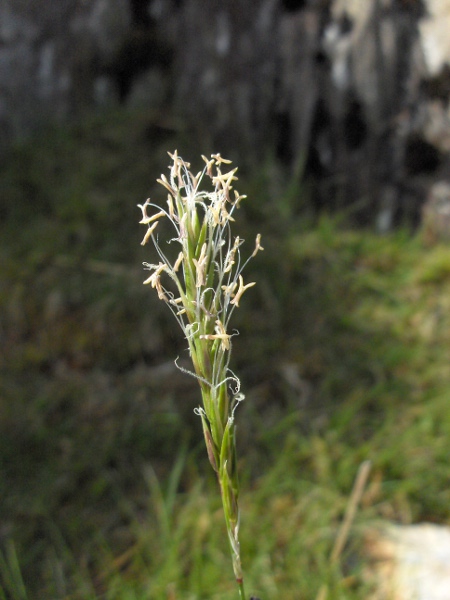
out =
column 203, row 286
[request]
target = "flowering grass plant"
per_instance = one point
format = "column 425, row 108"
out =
column 203, row 285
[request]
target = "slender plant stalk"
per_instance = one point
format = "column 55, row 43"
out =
column 203, row 286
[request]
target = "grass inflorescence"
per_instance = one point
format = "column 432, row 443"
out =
column 208, row 286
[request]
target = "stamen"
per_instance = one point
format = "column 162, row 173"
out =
column 148, row 233
column 241, row 290
column 258, row 246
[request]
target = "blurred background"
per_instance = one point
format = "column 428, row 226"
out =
column 337, row 114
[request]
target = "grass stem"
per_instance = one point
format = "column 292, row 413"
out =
column 241, row 590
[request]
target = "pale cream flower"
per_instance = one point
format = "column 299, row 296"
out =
column 241, row 290
column 220, row 334
column 178, row 262
column 209, row 166
column 163, row 181
column 229, row 260
column 228, row 290
column 200, row 266
column 238, row 198
column 143, row 207
column 146, row 220
column 154, row 277
column 149, row 232
column 258, row 246
column 224, row 178
column 219, row 159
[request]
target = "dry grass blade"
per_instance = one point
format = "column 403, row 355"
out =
column 352, row 507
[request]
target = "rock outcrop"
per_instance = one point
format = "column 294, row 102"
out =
column 53, row 58
column 409, row 562
column 354, row 93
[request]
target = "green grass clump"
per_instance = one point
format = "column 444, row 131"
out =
column 105, row 491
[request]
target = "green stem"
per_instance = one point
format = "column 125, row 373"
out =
column 241, row 590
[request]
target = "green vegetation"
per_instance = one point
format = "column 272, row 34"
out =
column 105, row 489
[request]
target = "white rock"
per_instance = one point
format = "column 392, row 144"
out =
column 434, row 32
column 410, row 562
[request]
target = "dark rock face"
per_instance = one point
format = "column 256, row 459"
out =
column 52, row 56
column 226, row 71
column 356, row 92
column 336, row 86
column 436, row 214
